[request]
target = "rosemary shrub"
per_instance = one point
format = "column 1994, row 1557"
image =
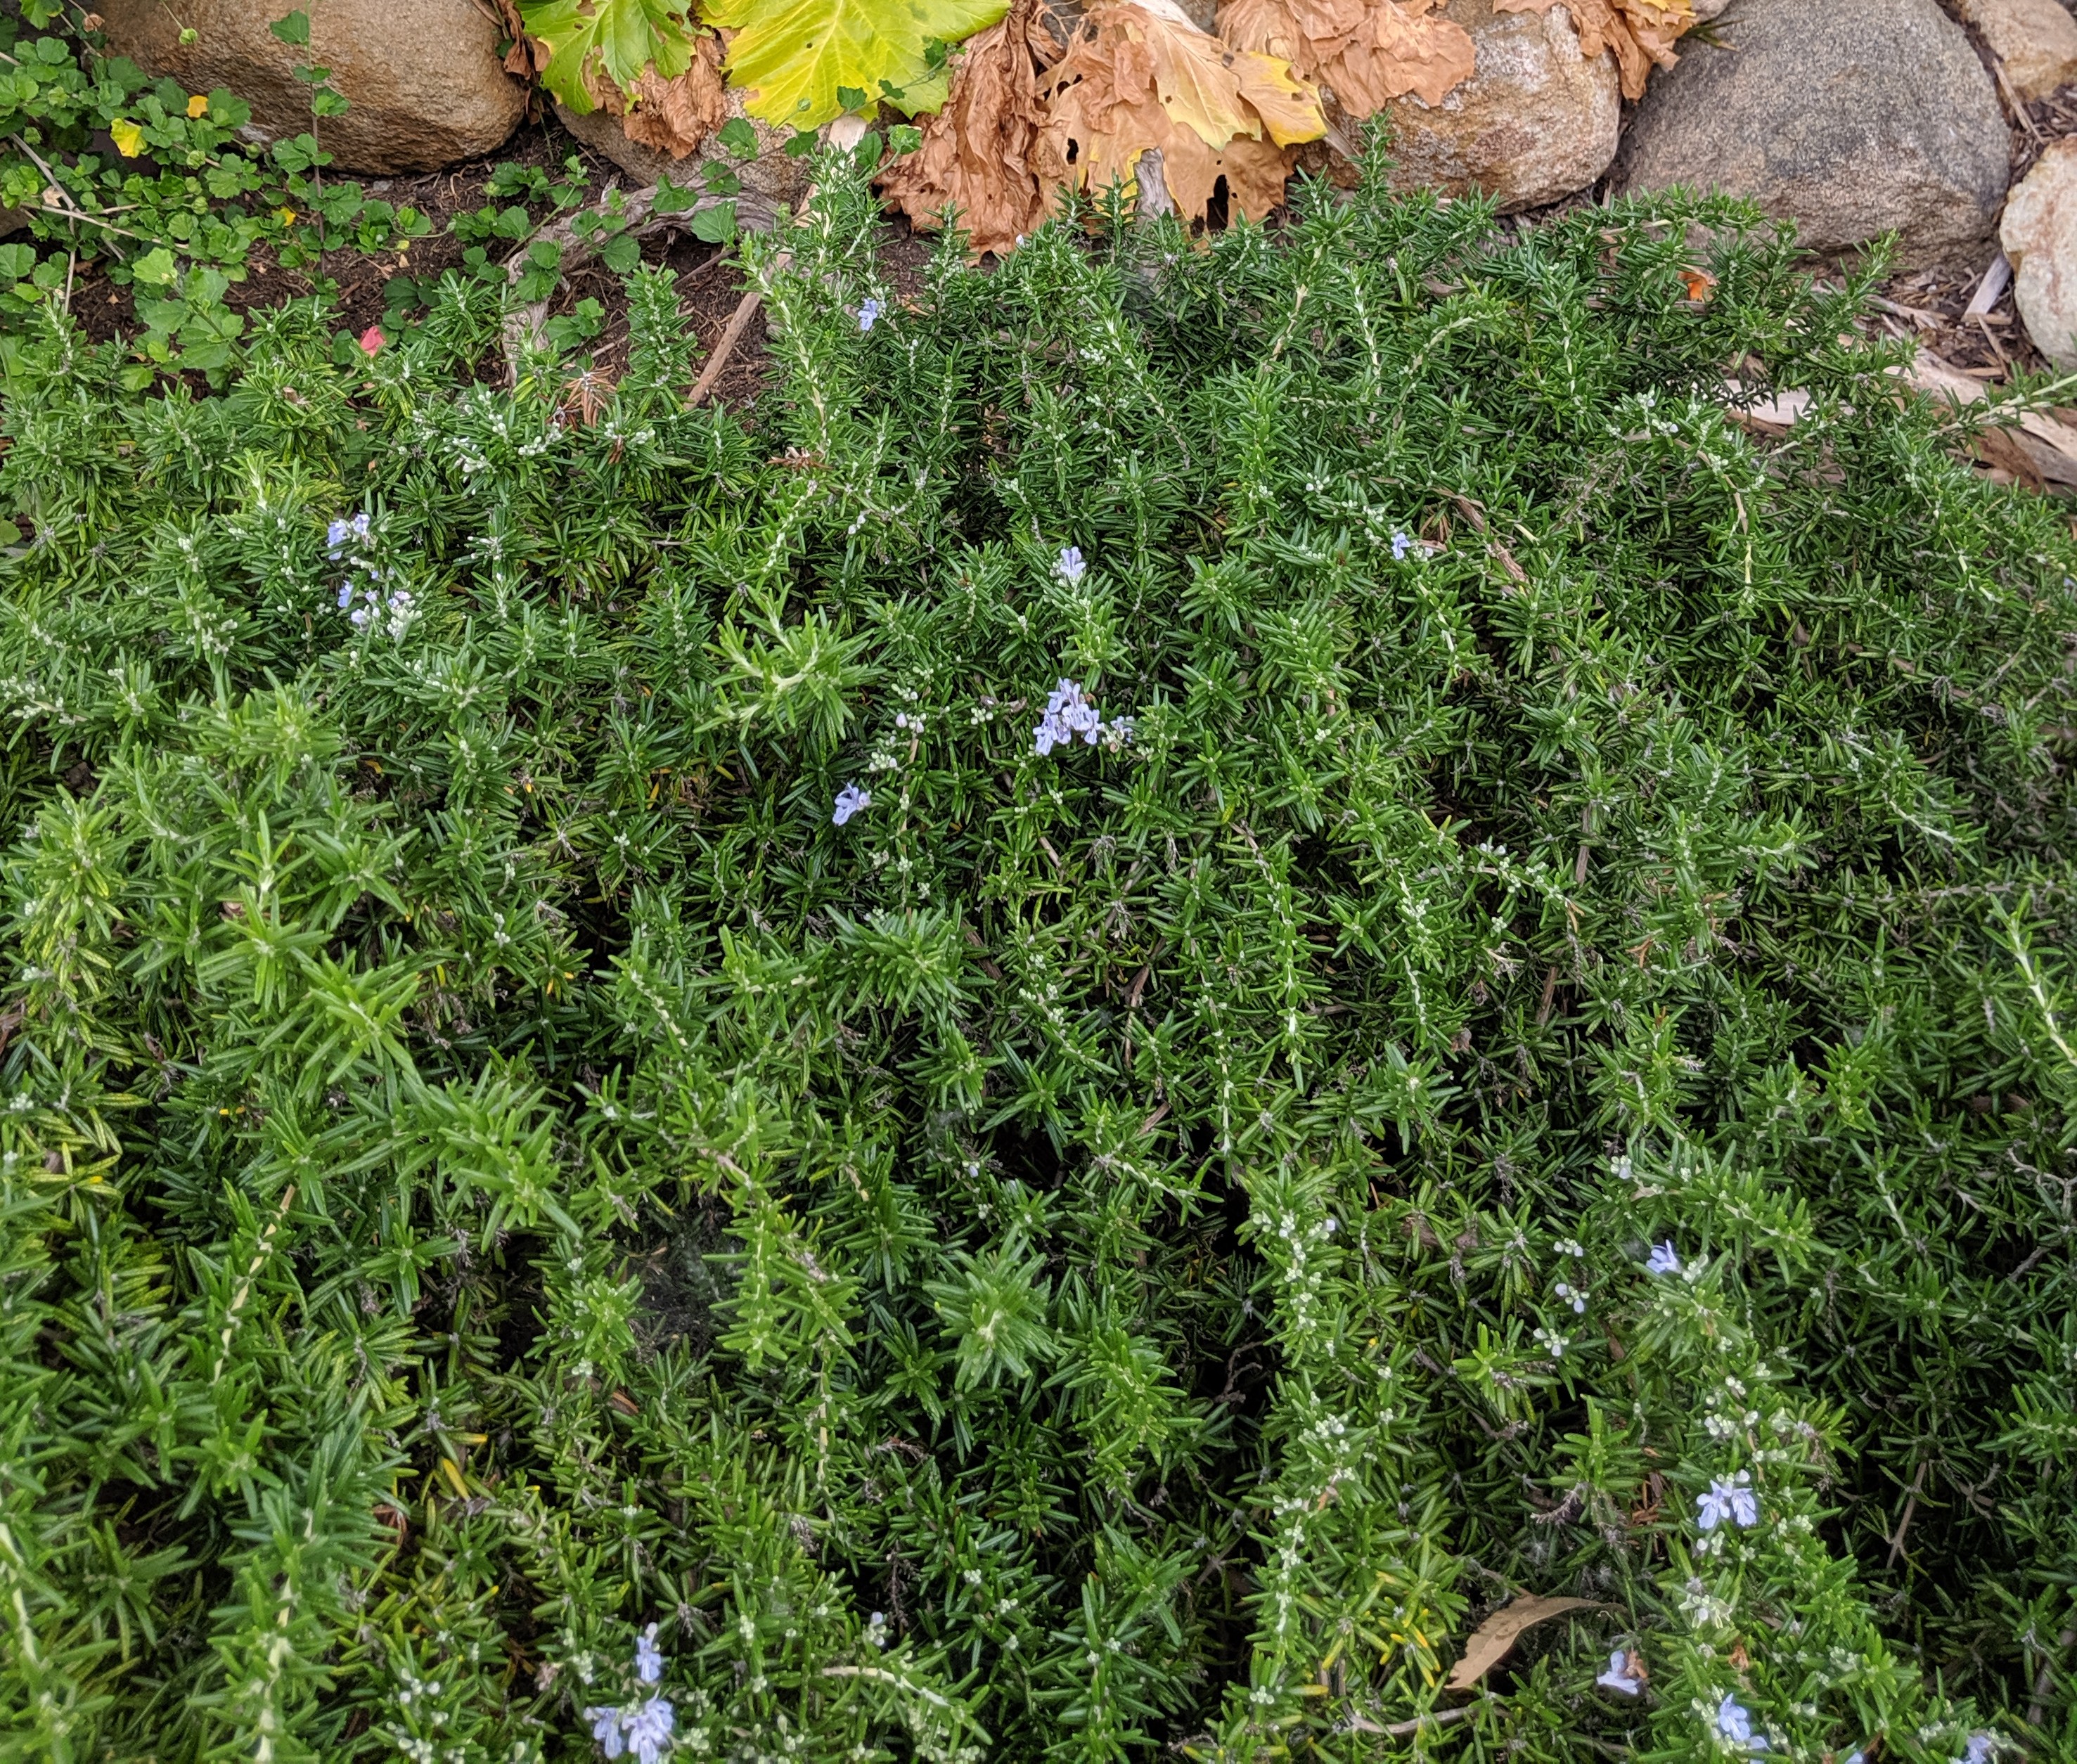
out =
column 1211, row 956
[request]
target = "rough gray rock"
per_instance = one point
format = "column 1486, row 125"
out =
column 422, row 76
column 2039, row 234
column 1852, row 118
column 1536, row 120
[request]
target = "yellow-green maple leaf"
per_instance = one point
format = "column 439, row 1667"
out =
column 794, row 55
column 626, row 35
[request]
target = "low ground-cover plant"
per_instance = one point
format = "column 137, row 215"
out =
column 104, row 172
column 1221, row 956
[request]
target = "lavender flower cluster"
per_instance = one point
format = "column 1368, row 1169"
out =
column 365, row 600
column 1728, row 1497
column 1069, row 714
column 1069, row 711
column 640, row 1729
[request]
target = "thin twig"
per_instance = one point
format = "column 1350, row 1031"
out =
column 1984, row 324
column 2018, row 104
column 699, row 271
column 2028, row 1265
column 1910, row 1508
column 43, row 165
column 91, row 220
column 738, row 321
column 1401, row 1730
column 2045, row 1680
column 1918, row 315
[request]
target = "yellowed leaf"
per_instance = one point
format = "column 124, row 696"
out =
column 198, row 105
column 1488, row 1644
column 1364, row 52
column 798, row 58
column 978, row 152
column 129, row 139
column 1640, row 32
column 1139, row 76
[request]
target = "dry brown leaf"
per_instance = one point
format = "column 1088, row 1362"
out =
column 1641, row 32
column 1139, row 76
column 523, row 60
column 1488, row 1644
column 980, row 152
column 1365, row 52
column 674, row 116
column 670, row 116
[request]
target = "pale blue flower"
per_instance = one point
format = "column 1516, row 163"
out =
column 1734, row 1723
column 649, row 1663
column 1572, row 1293
column 1401, row 544
column 1067, row 714
column 1729, row 1497
column 1625, row 1673
column 345, row 596
column 649, row 1729
column 1663, row 1259
column 606, row 1729
column 868, row 314
column 1981, row 1749
column 340, row 531
column 1070, row 713
column 850, row 800
column 1069, row 566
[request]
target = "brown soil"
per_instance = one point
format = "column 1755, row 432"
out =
column 711, row 280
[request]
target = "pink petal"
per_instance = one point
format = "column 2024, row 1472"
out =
column 372, row 338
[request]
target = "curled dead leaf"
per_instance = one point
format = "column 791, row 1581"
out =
column 675, row 116
column 1140, row 77
column 1364, row 52
column 1640, row 32
column 525, row 59
column 1488, row 1644
column 981, row 154
column 671, row 116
